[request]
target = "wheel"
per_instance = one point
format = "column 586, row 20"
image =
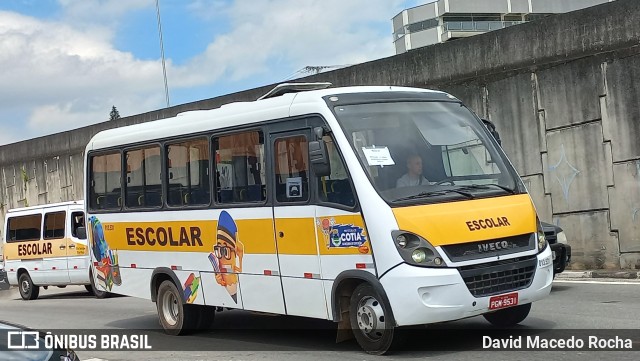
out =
column 371, row 321
column 175, row 317
column 62, row 286
column 28, row 291
column 207, row 315
column 98, row 293
column 508, row 316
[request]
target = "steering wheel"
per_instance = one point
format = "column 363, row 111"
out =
column 445, row 181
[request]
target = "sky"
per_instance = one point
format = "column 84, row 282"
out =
column 65, row 63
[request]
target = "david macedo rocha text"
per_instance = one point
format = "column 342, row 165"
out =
column 541, row 343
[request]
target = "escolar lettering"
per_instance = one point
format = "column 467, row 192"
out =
column 164, row 236
column 488, row 223
column 34, row 249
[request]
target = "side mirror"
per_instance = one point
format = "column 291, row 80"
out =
column 492, row 129
column 81, row 233
column 319, row 156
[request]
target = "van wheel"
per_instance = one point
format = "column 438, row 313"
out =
column 175, row 317
column 371, row 320
column 98, row 293
column 508, row 316
column 28, row 291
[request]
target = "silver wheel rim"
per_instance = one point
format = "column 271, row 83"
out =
column 25, row 286
column 370, row 318
column 170, row 308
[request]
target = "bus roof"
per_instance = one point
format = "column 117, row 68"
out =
column 44, row 206
column 229, row 115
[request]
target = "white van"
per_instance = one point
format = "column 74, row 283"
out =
column 47, row 246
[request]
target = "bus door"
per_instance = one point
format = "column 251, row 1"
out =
column 77, row 249
column 55, row 263
column 294, row 224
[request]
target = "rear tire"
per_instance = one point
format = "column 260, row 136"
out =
column 28, row 291
column 175, row 317
column 371, row 321
column 509, row 316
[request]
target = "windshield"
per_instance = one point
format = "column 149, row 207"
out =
column 417, row 152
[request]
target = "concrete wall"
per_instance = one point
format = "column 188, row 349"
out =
column 563, row 92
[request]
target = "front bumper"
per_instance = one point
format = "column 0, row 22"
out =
column 561, row 254
column 426, row 295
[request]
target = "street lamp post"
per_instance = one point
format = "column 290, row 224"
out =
column 164, row 69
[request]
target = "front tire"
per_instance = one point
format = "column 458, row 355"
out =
column 371, row 320
column 509, row 316
column 28, row 291
column 175, row 317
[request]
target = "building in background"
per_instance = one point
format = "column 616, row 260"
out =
column 444, row 20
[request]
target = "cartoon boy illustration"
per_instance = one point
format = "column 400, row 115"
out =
column 226, row 257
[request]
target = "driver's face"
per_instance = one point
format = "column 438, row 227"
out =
column 414, row 164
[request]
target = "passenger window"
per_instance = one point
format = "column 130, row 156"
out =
column 292, row 169
column 77, row 221
column 188, row 173
column 24, row 228
column 336, row 188
column 144, row 185
column 54, row 225
column 240, row 176
column 105, row 183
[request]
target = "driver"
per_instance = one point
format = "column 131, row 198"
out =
column 414, row 176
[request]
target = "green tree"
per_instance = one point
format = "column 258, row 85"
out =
column 114, row 113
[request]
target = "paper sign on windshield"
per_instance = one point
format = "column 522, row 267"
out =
column 378, row 156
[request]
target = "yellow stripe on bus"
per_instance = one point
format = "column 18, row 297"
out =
column 48, row 248
column 187, row 236
column 469, row 221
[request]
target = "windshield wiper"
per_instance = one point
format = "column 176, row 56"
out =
column 434, row 193
column 485, row 186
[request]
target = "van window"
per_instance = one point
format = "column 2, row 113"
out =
column 77, row 221
column 336, row 187
column 240, row 168
column 24, row 228
column 292, row 169
column 105, row 183
column 188, row 173
column 54, row 225
column 143, row 183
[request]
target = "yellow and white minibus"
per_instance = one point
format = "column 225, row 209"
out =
column 47, row 246
column 374, row 207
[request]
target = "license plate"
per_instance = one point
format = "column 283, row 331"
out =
column 503, row 301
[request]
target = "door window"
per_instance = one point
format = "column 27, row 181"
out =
column 292, row 169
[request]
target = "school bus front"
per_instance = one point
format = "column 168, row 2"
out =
column 453, row 231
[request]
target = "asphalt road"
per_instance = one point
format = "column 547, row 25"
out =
column 239, row 335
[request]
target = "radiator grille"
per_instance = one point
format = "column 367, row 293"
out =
column 499, row 277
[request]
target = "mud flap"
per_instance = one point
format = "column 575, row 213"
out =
column 344, row 332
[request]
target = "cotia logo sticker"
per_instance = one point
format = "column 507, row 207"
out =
column 342, row 235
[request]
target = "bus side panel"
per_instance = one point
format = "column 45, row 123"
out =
column 137, row 284
column 191, row 285
column 221, row 289
column 262, row 293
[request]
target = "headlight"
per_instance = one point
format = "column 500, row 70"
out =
column 542, row 241
column 562, row 238
column 416, row 250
